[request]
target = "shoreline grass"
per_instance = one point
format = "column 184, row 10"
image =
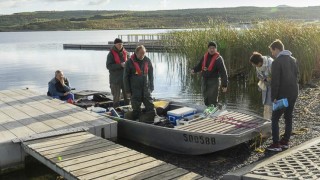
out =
column 237, row 45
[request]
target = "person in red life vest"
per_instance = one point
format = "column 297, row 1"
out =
column 212, row 68
column 138, row 81
column 115, row 64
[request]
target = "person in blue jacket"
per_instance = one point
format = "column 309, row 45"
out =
column 59, row 87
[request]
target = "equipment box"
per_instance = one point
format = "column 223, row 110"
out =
column 177, row 114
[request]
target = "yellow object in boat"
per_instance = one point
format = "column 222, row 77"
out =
column 162, row 104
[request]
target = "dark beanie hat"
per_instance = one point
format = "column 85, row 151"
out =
column 212, row 43
column 117, row 40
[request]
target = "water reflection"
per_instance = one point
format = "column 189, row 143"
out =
column 29, row 59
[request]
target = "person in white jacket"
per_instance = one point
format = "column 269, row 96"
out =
column 263, row 66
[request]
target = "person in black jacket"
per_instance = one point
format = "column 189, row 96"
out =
column 212, row 67
column 284, row 84
column 115, row 64
column 138, row 81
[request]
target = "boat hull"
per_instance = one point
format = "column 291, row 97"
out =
column 183, row 142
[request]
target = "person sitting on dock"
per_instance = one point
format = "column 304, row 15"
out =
column 212, row 67
column 138, row 82
column 115, row 64
column 59, row 87
column 263, row 69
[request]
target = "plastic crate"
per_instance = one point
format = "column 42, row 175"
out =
column 180, row 113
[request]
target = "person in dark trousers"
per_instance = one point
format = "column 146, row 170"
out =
column 138, row 81
column 115, row 64
column 59, row 87
column 212, row 68
column 284, row 84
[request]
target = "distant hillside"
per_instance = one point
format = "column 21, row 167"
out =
column 78, row 20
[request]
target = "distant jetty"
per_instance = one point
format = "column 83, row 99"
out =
column 152, row 42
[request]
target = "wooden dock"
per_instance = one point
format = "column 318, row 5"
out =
column 85, row 156
column 128, row 47
column 152, row 42
column 25, row 113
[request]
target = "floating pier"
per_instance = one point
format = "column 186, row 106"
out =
column 82, row 155
column 25, row 113
column 152, row 42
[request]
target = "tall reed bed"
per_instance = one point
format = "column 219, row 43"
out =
column 236, row 45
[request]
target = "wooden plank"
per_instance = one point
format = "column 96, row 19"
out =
column 103, row 160
column 133, row 170
column 36, row 141
column 225, row 125
column 109, row 170
column 75, row 151
column 253, row 123
column 170, row 174
column 75, row 147
column 85, row 153
column 150, row 172
column 200, row 124
column 65, row 142
column 90, row 157
column 240, row 121
column 47, row 148
column 259, row 122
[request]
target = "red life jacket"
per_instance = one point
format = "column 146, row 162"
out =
column 116, row 56
column 213, row 60
column 137, row 67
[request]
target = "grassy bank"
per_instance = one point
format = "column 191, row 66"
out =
column 236, row 46
column 183, row 18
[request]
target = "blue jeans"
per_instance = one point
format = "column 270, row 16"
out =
column 64, row 98
column 276, row 115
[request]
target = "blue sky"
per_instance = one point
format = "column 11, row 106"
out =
column 13, row 6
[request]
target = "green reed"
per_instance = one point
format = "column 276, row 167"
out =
column 237, row 45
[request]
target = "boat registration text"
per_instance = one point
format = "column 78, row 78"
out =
column 199, row 139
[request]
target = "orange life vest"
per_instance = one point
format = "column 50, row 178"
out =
column 213, row 60
column 116, row 56
column 137, row 67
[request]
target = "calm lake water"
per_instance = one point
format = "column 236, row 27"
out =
column 29, row 59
